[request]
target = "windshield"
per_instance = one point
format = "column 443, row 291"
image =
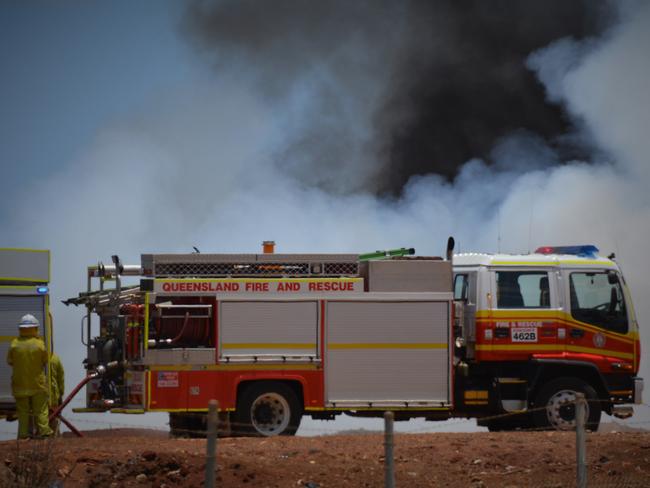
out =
column 597, row 298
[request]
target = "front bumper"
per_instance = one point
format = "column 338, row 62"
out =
column 626, row 411
column 638, row 391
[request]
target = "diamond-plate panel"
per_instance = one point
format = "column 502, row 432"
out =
column 255, row 269
column 338, row 269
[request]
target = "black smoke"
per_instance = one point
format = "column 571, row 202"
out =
column 434, row 83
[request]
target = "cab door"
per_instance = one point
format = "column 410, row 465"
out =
column 524, row 314
column 465, row 292
column 598, row 316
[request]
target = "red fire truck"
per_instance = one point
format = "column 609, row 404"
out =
column 274, row 337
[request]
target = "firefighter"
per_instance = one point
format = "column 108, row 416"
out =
column 28, row 357
column 57, row 388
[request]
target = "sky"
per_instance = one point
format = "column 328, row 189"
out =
column 128, row 128
column 66, row 74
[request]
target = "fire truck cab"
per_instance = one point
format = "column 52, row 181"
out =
column 536, row 329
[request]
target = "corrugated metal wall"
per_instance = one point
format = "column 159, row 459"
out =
column 268, row 328
column 383, row 352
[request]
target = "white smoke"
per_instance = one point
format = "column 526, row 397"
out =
column 198, row 169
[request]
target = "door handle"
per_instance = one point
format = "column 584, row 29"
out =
column 577, row 333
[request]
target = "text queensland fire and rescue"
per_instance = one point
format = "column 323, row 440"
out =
column 244, row 286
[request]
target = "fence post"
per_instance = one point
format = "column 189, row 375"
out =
column 211, row 454
column 581, row 441
column 389, row 463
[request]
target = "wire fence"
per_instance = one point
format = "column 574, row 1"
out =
column 534, row 459
column 431, row 426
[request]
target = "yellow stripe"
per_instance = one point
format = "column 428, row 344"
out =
column 476, row 402
column 187, row 410
column 128, row 410
column 387, row 345
column 146, row 322
column 22, row 249
column 148, row 380
column 553, row 263
column 604, row 352
column 423, row 409
column 520, row 347
column 24, row 280
column 19, row 287
column 268, row 345
column 554, row 347
column 263, row 367
column 7, row 338
column 552, row 316
column 169, row 367
column 476, row 394
column 236, row 367
column 630, row 336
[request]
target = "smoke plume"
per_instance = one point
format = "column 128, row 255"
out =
column 382, row 91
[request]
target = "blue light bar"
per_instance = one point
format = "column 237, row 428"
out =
column 584, row 250
column 42, row 290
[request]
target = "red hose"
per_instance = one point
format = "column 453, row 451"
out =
column 182, row 332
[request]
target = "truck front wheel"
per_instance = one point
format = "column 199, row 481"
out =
column 555, row 405
column 267, row 409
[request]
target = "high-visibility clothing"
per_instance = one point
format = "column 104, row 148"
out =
column 57, row 388
column 35, row 405
column 57, row 377
column 28, row 357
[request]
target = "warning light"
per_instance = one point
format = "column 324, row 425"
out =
column 544, row 250
column 42, row 290
column 585, row 250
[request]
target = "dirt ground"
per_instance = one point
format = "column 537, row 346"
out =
column 133, row 458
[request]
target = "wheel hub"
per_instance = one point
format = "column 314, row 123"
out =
column 561, row 412
column 270, row 414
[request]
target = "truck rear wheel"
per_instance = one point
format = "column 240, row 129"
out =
column 190, row 425
column 267, row 409
column 555, row 405
column 507, row 422
column 195, row 425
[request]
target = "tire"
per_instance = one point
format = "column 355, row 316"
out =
column 557, row 396
column 187, row 425
column 510, row 423
column 178, row 426
column 266, row 409
column 195, row 425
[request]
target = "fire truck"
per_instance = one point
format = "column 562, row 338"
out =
column 507, row 339
column 24, row 278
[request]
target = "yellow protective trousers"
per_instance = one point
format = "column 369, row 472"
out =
column 36, row 406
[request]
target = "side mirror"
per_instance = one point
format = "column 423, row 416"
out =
column 612, row 278
column 450, row 248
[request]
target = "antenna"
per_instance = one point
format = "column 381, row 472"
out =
column 530, row 224
column 499, row 231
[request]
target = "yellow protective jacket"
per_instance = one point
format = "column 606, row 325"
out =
column 57, row 378
column 28, row 357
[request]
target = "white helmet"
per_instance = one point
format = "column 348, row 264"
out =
column 28, row 321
